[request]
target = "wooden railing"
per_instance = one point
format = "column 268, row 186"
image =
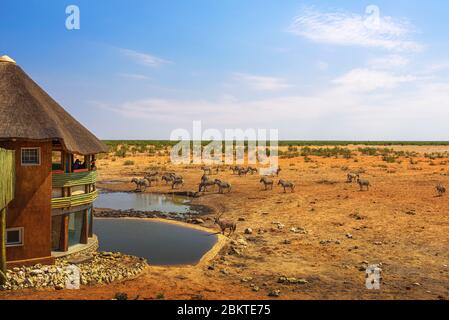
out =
column 61, row 180
column 7, row 177
column 73, row 201
column 7, row 185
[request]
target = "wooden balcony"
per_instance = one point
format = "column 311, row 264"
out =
column 63, row 180
column 73, row 201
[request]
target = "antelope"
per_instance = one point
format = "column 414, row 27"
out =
column 140, row 183
column 151, row 179
column 267, row 182
column 287, row 184
column 363, row 183
column 178, row 181
column 204, row 184
column 222, row 185
column 232, row 226
column 352, row 177
column 440, row 189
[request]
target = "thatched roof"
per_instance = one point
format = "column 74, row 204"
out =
column 28, row 113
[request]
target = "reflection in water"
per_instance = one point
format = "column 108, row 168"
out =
column 160, row 243
column 144, row 202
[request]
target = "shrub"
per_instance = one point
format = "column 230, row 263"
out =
column 121, row 296
column 128, row 163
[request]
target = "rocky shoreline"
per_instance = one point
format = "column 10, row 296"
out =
column 131, row 213
column 97, row 268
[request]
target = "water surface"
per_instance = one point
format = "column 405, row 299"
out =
column 160, row 243
column 144, row 202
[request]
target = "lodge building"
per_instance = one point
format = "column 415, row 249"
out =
column 55, row 171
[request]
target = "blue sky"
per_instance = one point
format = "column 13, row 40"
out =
column 314, row 70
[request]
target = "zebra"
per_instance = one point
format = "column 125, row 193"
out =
column 270, row 171
column 204, row 178
column 287, row 184
column 203, row 185
column 167, row 178
column 352, row 177
column 267, row 182
column 243, row 172
column 222, row 185
column 236, row 169
column 140, row 183
column 252, row 170
column 207, row 170
column 178, row 181
column 232, row 226
column 363, row 183
column 440, row 189
column 151, row 179
column 152, row 174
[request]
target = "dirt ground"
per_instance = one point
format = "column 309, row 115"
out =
column 400, row 222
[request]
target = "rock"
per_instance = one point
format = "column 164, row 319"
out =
column 35, row 272
column 236, row 251
column 198, row 221
column 242, row 219
column 224, row 271
column 256, row 289
column 248, row 231
column 298, row 230
column 274, row 293
column 349, row 236
column 80, row 260
column 292, row 280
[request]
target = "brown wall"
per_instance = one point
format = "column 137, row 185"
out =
column 31, row 207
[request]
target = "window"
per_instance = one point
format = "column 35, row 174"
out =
column 14, row 237
column 31, row 156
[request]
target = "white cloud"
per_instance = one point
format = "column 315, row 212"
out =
column 321, row 65
column 134, row 76
column 349, row 29
column 437, row 67
column 144, row 58
column 417, row 112
column 389, row 62
column 261, row 83
column 369, row 80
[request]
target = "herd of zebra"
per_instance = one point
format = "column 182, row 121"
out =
column 363, row 183
column 178, row 181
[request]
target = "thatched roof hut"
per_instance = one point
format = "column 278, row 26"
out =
column 28, row 113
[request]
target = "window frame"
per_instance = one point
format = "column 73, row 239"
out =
column 30, row 164
column 16, row 244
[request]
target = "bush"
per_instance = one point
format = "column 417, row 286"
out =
column 128, row 163
column 121, row 296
